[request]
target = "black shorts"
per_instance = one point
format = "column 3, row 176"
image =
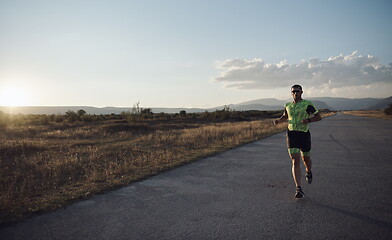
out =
column 298, row 139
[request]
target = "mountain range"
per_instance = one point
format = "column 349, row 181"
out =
column 331, row 103
column 264, row 104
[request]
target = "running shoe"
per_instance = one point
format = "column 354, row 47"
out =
column 309, row 177
column 299, row 193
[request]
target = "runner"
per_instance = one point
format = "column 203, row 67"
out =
column 299, row 114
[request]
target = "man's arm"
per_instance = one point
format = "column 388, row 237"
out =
column 316, row 117
column 282, row 118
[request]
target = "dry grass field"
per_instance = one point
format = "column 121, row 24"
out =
column 46, row 163
column 375, row 114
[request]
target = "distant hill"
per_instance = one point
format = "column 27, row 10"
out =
column 177, row 110
column 321, row 105
column 347, row 103
column 62, row 110
column 382, row 104
column 265, row 101
column 89, row 110
column 271, row 104
column 330, row 103
column 254, row 106
column 258, row 104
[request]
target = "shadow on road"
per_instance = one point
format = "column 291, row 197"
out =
column 339, row 143
column 345, row 212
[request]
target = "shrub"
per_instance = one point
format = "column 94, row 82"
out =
column 44, row 119
column 146, row 111
column 87, row 118
column 206, row 114
column 58, row 118
column 71, row 116
column 3, row 120
column 388, row 110
column 182, row 113
column 81, row 112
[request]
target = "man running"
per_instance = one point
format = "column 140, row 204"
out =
column 299, row 114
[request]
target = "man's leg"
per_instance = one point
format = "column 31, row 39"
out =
column 296, row 171
column 295, row 155
column 296, row 166
column 307, row 163
column 308, row 166
column 305, row 150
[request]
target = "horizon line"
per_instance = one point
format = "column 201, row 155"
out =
column 288, row 99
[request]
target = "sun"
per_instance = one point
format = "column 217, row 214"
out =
column 13, row 96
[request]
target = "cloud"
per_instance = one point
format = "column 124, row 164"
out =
column 337, row 72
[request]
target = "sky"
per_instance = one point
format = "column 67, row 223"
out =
column 191, row 53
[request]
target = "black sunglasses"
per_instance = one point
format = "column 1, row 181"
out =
column 295, row 91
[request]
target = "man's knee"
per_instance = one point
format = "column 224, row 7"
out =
column 306, row 155
column 295, row 162
column 295, row 158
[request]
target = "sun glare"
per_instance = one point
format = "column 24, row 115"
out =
column 13, row 96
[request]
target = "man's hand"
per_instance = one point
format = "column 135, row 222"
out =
column 306, row 121
column 281, row 119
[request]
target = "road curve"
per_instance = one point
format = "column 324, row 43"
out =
column 247, row 193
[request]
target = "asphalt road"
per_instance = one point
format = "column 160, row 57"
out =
column 247, row 193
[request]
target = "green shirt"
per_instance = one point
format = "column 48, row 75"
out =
column 297, row 112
